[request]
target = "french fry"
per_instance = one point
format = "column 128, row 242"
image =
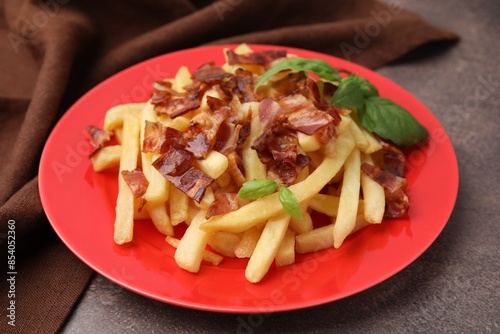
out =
column 179, row 206
column 124, row 221
column 266, row 207
column 310, row 143
column 207, row 199
column 305, row 224
column 373, row 195
column 140, row 212
column 286, row 251
column 182, row 79
column 189, row 252
column 361, row 140
column 107, row 157
column 266, row 248
column 115, row 116
column 159, row 187
column 180, row 123
column 224, row 179
column 254, row 168
column 206, row 255
column 214, row 165
column 248, row 242
column 315, row 240
column 344, row 124
column 322, row 237
column 373, row 143
column 326, row 204
column 160, row 217
column 224, row 243
column 148, row 114
column 329, row 204
column 349, row 199
column 118, row 133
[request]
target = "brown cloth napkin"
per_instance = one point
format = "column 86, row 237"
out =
column 53, row 51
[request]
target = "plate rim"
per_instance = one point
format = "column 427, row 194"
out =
column 229, row 309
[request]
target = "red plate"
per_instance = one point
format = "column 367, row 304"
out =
column 80, row 206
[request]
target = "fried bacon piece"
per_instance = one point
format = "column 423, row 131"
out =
column 227, row 137
column 397, row 201
column 136, row 181
column 154, row 137
column 210, row 73
column 264, row 58
column 394, row 159
column 277, row 148
column 235, row 168
column 159, row 138
column 296, row 112
column 309, row 121
column 245, row 85
column 174, row 162
column 168, row 101
column 270, row 112
column 138, row 184
column 98, row 137
column 193, row 183
column 286, row 172
column 203, row 127
column 222, row 204
column 176, row 166
column 293, row 83
column 181, row 106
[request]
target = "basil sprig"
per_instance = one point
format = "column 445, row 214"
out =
column 378, row 115
column 317, row 66
column 258, row 188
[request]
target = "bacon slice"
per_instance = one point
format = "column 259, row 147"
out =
column 98, row 137
column 245, row 130
column 309, row 121
column 180, row 106
column 136, row 181
column 176, row 166
column 245, row 85
column 293, row 83
column 394, row 159
column 235, row 168
column 154, row 137
column 270, row 112
column 223, row 203
column 264, row 58
column 227, row 137
column 277, row 148
column 203, row 127
column 210, row 73
column 286, row 172
column 193, row 183
column 295, row 112
column 168, row 101
column 397, row 202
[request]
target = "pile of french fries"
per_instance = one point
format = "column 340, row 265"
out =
column 260, row 230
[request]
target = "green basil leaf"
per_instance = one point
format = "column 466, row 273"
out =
column 289, row 202
column 391, row 121
column 350, row 93
column 368, row 89
column 317, row 66
column 257, row 188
